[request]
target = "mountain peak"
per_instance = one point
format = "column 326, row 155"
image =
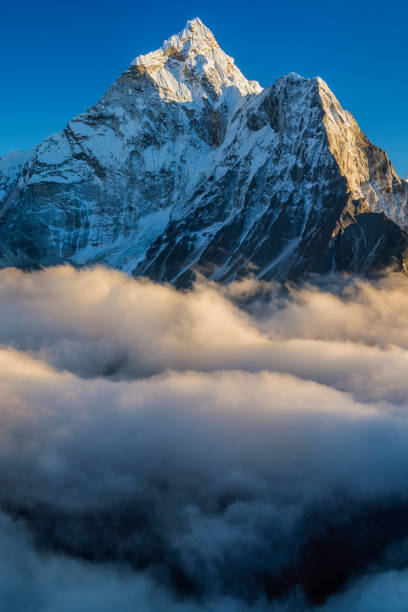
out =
column 196, row 22
column 195, row 31
column 190, row 66
column 195, row 38
column 183, row 167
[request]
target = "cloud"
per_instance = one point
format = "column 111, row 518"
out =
column 216, row 449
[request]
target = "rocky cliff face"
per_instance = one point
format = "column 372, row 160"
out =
column 184, row 165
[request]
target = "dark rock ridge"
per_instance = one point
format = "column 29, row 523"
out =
column 186, row 166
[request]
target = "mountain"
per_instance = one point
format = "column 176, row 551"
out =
column 184, row 165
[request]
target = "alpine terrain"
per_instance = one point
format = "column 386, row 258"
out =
column 184, row 165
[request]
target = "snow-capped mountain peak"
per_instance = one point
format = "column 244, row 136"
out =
column 195, row 36
column 186, row 165
column 190, row 66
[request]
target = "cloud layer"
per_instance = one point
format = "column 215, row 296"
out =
column 219, row 449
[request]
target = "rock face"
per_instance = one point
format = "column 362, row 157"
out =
column 186, row 166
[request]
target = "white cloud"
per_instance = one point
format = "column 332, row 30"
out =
column 198, row 447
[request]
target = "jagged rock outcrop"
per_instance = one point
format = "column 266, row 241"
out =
column 185, row 165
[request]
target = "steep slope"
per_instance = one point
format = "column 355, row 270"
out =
column 185, row 165
column 11, row 166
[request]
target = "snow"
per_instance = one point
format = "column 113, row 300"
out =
column 185, row 57
column 11, row 166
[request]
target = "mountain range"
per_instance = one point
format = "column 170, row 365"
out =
column 185, row 166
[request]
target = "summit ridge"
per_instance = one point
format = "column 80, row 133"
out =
column 191, row 65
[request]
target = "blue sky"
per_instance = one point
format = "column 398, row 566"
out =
column 58, row 57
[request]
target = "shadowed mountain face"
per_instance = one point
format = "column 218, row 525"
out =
column 184, row 165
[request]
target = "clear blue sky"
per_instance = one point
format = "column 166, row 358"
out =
column 58, row 57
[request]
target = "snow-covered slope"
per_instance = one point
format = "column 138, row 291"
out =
column 11, row 166
column 185, row 165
